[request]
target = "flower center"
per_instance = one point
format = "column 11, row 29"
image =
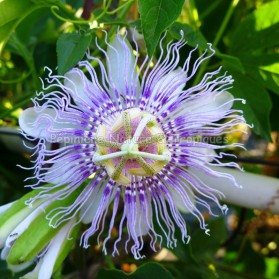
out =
column 134, row 145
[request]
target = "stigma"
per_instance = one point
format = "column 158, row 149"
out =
column 134, row 145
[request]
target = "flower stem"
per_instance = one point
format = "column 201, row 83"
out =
column 217, row 39
column 209, row 9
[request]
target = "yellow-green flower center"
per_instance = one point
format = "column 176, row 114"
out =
column 134, row 145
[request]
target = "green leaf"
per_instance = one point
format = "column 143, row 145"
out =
column 258, row 104
column 12, row 9
column 35, row 25
column 268, row 79
column 193, row 271
column 156, row 16
column 249, row 257
column 204, row 245
column 192, row 37
column 264, row 68
column 11, row 13
column 71, row 48
column 231, row 61
column 258, row 30
column 148, row 270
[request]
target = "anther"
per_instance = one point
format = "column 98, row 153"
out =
column 127, row 124
column 107, row 143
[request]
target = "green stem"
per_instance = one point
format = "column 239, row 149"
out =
column 62, row 7
column 217, row 39
column 120, row 7
column 122, row 13
column 105, row 9
column 55, row 9
column 209, row 9
column 120, row 16
column 225, row 22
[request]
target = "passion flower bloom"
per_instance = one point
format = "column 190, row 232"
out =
column 130, row 135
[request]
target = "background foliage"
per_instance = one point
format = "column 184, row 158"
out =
column 57, row 33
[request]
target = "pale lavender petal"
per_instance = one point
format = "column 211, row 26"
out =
column 121, row 64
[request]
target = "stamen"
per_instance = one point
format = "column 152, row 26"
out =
column 107, row 143
column 127, row 124
column 146, row 167
column 119, row 168
column 97, row 158
column 156, row 167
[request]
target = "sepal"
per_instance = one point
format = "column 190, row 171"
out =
column 33, row 240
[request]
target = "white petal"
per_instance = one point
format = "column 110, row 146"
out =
column 60, row 172
column 258, row 190
column 77, row 82
column 11, row 224
column 143, row 220
column 42, row 123
column 121, row 62
column 34, row 273
column 205, row 153
column 181, row 203
column 50, row 257
column 24, row 224
column 168, row 80
column 29, row 117
column 213, row 103
column 5, row 252
column 15, row 220
column 92, row 204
